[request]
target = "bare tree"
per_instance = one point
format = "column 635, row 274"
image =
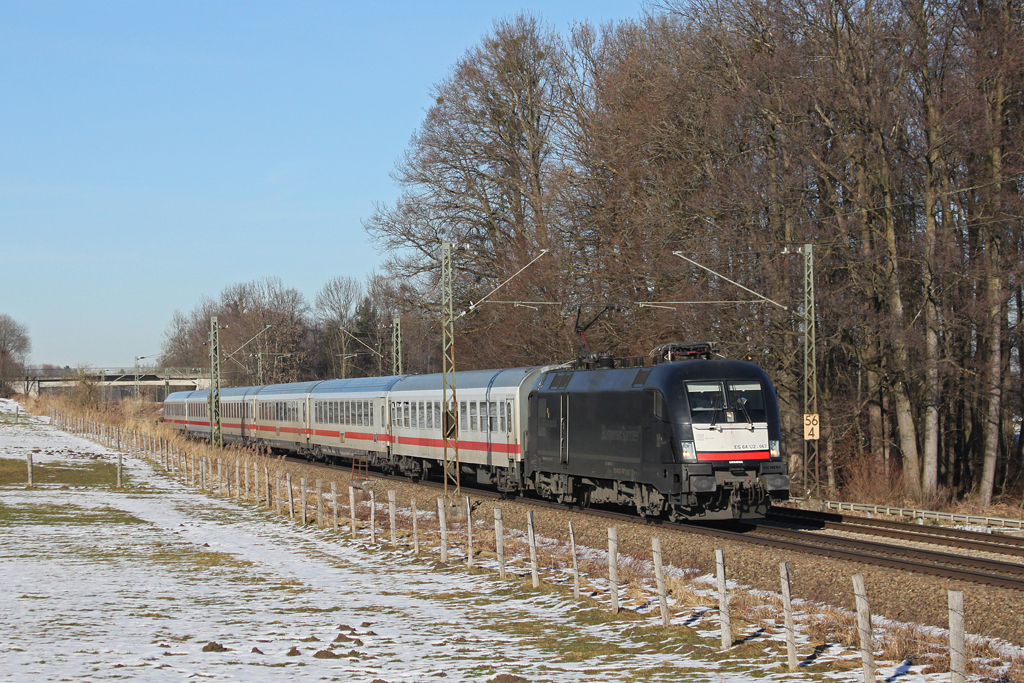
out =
column 15, row 346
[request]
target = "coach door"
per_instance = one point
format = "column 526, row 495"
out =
column 505, row 424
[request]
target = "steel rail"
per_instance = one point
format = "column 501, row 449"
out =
column 886, row 548
column 955, row 538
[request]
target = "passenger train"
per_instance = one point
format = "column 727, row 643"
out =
column 687, row 439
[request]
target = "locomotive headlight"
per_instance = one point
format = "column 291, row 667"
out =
column 773, row 450
column 689, row 450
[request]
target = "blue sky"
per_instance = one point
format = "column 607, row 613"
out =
column 153, row 153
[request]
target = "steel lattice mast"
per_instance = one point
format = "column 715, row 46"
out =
column 216, row 438
column 396, row 346
column 450, row 405
column 810, row 365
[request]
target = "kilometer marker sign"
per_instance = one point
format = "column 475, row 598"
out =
column 811, row 427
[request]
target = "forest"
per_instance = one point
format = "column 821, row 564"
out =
column 887, row 135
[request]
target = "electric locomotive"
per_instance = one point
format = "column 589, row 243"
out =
column 689, row 439
column 692, row 439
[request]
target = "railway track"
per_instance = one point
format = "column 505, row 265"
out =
column 929, row 562
column 904, row 531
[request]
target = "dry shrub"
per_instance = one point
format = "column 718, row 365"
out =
column 766, row 613
column 900, row 643
column 685, row 594
column 869, row 479
column 834, row 627
column 1015, row 674
column 636, row 591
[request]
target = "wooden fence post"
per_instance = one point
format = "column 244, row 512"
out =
column 119, row 468
column 319, row 503
column 334, row 505
column 613, row 566
column 469, row 533
column 575, row 563
column 499, row 542
column 352, row 510
column 277, row 491
column 291, row 501
column 302, row 504
column 957, row 638
column 787, row 608
column 28, row 462
column 443, row 524
column 723, row 600
column 268, row 493
column 373, row 517
column 659, row 577
column 391, row 517
column 867, row 648
column 532, row 537
column 415, row 529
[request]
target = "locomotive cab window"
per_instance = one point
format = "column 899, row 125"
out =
column 707, row 401
column 747, row 401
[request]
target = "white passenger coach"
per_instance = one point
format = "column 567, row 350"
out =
column 391, row 422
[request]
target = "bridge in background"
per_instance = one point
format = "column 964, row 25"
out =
column 114, row 384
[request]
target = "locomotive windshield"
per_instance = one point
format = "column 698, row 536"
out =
column 712, row 402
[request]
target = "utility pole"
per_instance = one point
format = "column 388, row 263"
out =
column 396, row 346
column 450, row 431
column 812, row 421
column 137, row 377
column 216, row 438
column 137, row 372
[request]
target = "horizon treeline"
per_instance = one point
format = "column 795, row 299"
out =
column 885, row 134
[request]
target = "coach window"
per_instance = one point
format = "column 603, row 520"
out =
column 494, row 416
column 367, row 414
column 437, row 415
column 472, row 416
column 463, row 416
column 369, row 411
column 430, row 414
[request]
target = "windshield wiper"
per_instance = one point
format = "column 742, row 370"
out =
column 714, row 410
column 741, row 403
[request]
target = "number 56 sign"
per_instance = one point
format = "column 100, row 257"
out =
column 811, row 427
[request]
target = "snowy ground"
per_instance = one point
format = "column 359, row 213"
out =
column 100, row 584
